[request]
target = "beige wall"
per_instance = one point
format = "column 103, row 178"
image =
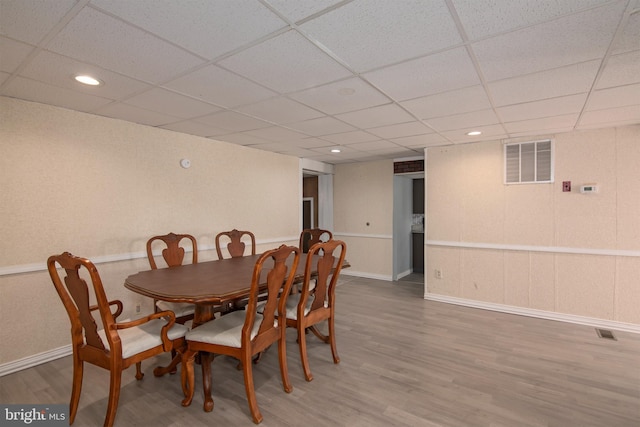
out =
column 99, row 188
column 532, row 245
column 363, row 216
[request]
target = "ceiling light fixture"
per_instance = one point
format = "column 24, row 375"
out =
column 335, row 150
column 88, row 80
column 474, row 133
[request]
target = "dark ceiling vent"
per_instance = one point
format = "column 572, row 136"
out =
column 408, row 166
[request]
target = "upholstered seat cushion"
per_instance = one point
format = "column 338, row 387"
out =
column 226, row 330
column 179, row 308
column 140, row 338
column 292, row 306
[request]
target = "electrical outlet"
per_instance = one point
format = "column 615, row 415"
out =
column 438, row 273
column 138, row 308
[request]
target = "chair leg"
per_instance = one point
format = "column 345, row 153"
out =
column 114, row 396
column 284, row 370
column 302, row 343
column 139, row 373
column 188, row 377
column 205, row 361
column 247, row 368
column 78, row 369
column 332, row 340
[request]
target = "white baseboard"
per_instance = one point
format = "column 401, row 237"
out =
column 36, row 359
column 404, row 274
column 542, row 314
column 349, row 272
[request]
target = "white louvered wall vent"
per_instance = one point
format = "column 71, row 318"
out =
column 528, row 162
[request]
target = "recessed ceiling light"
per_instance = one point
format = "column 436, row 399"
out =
column 474, row 133
column 335, row 150
column 88, row 80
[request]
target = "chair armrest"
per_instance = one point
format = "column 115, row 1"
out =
column 115, row 302
column 167, row 344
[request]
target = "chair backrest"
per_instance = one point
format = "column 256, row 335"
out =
column 173, row 253
column 76, row 295
column 323, row 255
column 311, row 236
column 235, row 246
column 280, row 271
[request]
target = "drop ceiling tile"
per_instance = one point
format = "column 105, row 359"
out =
column 426, row 140
column 611, row 117
column 321, row 126
column 32, row 90
column 463, row 121
column 205, row 28
column 621, row 70
column 565, row 121
column 377, row 116
column 431, row 74
column 226, row 89
column 171, row 103
column 59, row 70
column 300, row 9
column 241, row 138
column 629, row 39
column 286, row 63
column 488, row 132
column 276, row 134
column 275, row 147
column 350, row 137
column 400, row 130
column 569, row 80
column 457, row 101
column 308, row 143
column 31, row 20
column 341, row 97
column 130, row 51
column 481, row 18
column 3, row 77
column 572, row 39
column 280, row 111
column 232, row 121
column 358, row 28
column 298, row 152
column 373, row 145
column 13, row 53
column 135, row 114
column 621, row 96
column 192, row 127
column 545, row 108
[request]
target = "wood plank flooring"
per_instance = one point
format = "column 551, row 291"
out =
column 404, row 362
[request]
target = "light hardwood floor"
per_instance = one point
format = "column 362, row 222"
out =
column 404, row 362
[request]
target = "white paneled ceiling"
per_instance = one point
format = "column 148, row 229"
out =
column 376, row 78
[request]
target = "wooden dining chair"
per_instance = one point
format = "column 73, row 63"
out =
column 311, row 236
column 117, row 346
column 243, row 334
column 173, row 255
column 317, row 298
column 235, row 245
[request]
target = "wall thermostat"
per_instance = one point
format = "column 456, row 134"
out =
column 185, row 163
column 589, row 188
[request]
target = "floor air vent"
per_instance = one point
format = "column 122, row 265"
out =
column 605, row 333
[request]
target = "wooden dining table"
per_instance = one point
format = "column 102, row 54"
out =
column 208, row 285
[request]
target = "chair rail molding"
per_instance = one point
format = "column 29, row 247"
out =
column 101, row 259
column 530, row 248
